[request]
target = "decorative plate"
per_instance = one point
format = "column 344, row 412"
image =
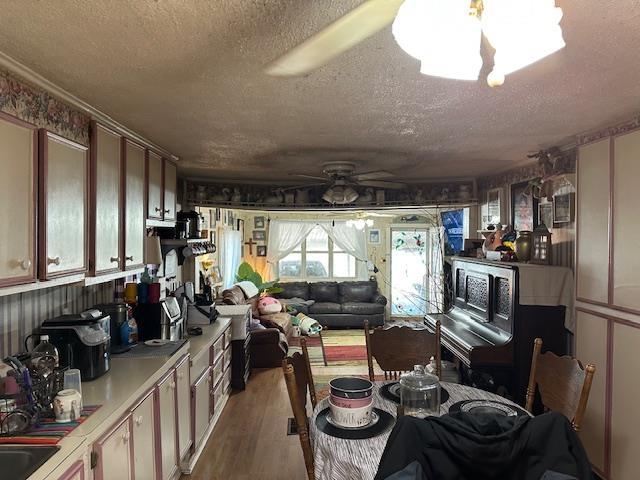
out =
column 384, row 423
column 492, row 407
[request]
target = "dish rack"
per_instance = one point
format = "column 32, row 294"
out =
column 34, row 401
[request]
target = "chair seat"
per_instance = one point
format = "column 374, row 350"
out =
column 325, row 307
column 362, row 308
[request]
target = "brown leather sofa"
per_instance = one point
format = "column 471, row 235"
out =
column 268, row 346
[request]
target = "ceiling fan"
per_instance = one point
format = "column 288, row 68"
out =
column 341, row 177
column 444, row 35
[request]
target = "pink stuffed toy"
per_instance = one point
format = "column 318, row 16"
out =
column 268, row 305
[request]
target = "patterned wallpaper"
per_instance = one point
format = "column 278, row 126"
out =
column 21, row 313
column 40, row 108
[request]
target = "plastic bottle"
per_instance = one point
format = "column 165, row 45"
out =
column 45, row 356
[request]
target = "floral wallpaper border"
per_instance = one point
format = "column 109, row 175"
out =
column 40, row 108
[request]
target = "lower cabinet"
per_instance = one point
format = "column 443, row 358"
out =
column 115, row 453
column 144, row 447
column 74, row 472
column 183, row 397
column 166, row 394
column 200, row 406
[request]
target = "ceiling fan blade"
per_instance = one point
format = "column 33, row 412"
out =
column 349, row 30
column 312, row 177
column 377, row 175
column 382, row 184
column 306, row 185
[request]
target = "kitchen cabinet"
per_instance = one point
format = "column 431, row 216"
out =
column 155, row 191
column 201, row 406
column 106, row 173
column 115, row 453
column 134, row 214
column 170, row 188
column 63, row 206
column 144, row 447
column 18, row 183
column 75, row 472
column 183, row 399
column 166, row 393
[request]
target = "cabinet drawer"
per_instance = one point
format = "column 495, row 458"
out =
column 227, row 337
column 218, row 393
column 199, row 364
column 226, row 381
column 217, row 371
column 226, row 359
column 217, row 349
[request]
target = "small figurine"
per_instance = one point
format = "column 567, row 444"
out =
column 237, row 195
column 366, row 198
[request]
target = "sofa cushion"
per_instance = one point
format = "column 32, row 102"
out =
column 357, row 291
column 362, row 308
column 281, row 321
column 325, row 307
column 293, row 290
column 323, row 292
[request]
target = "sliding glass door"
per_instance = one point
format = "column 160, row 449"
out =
column 409, row 271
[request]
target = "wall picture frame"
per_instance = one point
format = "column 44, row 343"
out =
column 259, row 223
column 523, row 206
column 545, row 214
column 259, row 235
column 261, row 251
column 374, row 237
column 494, row 207
column 564, row 208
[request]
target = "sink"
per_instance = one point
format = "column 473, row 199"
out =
column 20, row 461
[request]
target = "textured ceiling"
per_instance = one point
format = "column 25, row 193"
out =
column 187, row 75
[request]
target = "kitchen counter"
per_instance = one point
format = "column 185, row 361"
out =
column 116, row 391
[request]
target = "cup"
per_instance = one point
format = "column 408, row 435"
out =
column 73, row 381
column 130, row 292
column 143, row 292
column 67, row 405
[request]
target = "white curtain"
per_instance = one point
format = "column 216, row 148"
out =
column 436, row 270
column 284, row 237
column 231, row 256
column 348, row 238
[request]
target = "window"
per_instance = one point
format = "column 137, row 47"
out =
column 316, row 258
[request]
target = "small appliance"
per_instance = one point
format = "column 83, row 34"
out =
column 82, row 340
column 118, row 315
column 164, row 320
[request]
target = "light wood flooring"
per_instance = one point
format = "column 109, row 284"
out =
column 250, row 440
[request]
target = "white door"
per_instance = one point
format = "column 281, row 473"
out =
column 134, row 214
column 154, row 186
column 107, row 172
column 409, row 271
column 183, row 397
column 64, row 166
column 144, row 440
column 167, row 405
column 114, row 453
column 18, row 198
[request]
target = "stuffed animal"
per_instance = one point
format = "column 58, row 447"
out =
column 269, row 305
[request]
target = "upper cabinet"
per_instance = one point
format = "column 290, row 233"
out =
column 170, row 185
column 154, row 186
column 18, row 163
column 63, row 206
column 134, row 213
column 106, row 201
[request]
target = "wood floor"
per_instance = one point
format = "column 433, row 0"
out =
column 250, row 440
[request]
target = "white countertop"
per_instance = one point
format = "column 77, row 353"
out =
column 118, row 389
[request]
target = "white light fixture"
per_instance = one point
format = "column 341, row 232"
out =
column 340, row 194
column 445, row 35
column 360, row 223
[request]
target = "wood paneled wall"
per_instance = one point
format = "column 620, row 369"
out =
column 22, row 313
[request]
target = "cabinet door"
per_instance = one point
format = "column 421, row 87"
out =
column 183, row 391
column 134, row 218
column 144, row 440
column 200, row 406
column 18, row 199
column 75, row 472
column 106, row 172
column 115, row 454
column 63, row 206
column 170, row 186
column 167, row 409
column 154, row 186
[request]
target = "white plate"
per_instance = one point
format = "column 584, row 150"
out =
column 374, row 419
column 488, row 406
column 156, row 342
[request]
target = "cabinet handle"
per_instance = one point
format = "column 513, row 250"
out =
column 167, row 211
column 139, row 420
column 25, row 264
column 115, row 259
column 172, row 385
column 125, row 436
column 158, row 209
column 130, row 258
column 55, row 261
column 180, row 376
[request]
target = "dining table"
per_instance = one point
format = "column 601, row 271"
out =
column 346, row 459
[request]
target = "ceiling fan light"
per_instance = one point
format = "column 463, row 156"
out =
column 340, row 195
column 522, row 32
column 442, row 35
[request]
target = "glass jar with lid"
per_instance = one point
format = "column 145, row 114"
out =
column 420, row 393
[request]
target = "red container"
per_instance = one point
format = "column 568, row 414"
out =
column 154, row 293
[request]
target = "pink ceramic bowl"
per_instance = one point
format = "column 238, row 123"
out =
column 351, row 402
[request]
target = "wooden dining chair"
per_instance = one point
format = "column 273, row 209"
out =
column 398, row 349
column 299, row 379
column 563, row 383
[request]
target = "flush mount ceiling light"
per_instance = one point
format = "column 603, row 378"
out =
column 445, row 35
column 340, row 194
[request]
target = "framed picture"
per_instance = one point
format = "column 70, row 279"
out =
column 493, row 207
column 240, row 226
column 374, row 236
column 215, row 275
column 212, row 236
column 545, row 214
column 218, row 214
column 523, row 206
column 258, row 223
column 261, row 250
column 259, row 235
column 564, row 208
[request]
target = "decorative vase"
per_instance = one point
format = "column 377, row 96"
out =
column 523, row 246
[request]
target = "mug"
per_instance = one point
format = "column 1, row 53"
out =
column 67, row 405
